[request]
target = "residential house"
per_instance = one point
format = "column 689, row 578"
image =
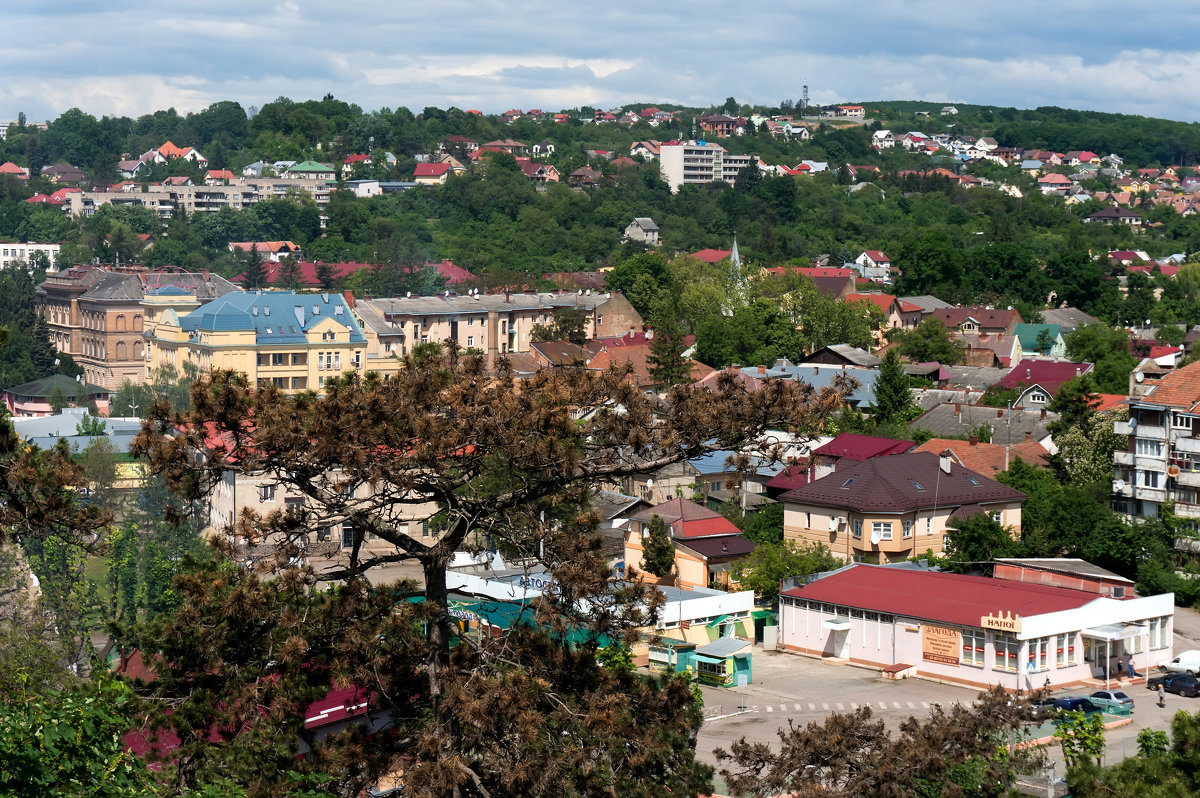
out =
column 989, row 350
column 722, row 125
column 1111, row 216
column 254, row 169
column 35, row 399
column 218, row 177
column 1041, row 340
column 584, row 177
column 10, row 168
column 874, row 265
column 170, row 152
column 978, row 319
column 13, row 252
column 132, row 168
column 465, row 144
column 987, row 458
column 273, row 251
column 883, row 140
column 505, row 145
column 897, row 314
column 1040, row 380
column 843, row 355
column 544, row 147
column 643, row 230
column 1160, row 466
column 62, row 173
column 647, row 149
column 312, row 170
column 706, row 544
column 1004, row 426
column 927, row 303
column 861, row 387
column 851, row 111
column 538, row 172
column 1054, row 184
column 431, row 173
column 887, row 509
column 1068, row 319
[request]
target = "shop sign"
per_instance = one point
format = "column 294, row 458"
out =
column 1002, row 622
column 939, row 644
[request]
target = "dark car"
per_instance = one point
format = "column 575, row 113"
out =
column 1182, row 684
column 1052, row 707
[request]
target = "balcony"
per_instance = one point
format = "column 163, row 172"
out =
column 1122, row 428
column 1188, row 445
column 1123, row 458
column 1190, row 479
column 1125, row 488
column 1184, row 510
column 1149, row 494
column 1149, row 463
column 1149, row 431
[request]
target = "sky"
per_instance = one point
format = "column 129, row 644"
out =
column 131, row 57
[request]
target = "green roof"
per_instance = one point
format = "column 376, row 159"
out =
column 312, row 166
column 41, row 389
column 1028, row 334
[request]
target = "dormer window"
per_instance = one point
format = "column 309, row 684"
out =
column 848, row 482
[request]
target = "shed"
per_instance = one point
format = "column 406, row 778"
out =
column 722, row 661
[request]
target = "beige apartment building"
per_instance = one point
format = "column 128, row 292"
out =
column 293, row 341
column 494, row 324
column 698, row 162
column 240, row 193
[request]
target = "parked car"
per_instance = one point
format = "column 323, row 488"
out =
column 1052, row 707
column 1178, row 683
column 1187, row 662
column 1110, row 700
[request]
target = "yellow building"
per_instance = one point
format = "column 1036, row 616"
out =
column 294, row 341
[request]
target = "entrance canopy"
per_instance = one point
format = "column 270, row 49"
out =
column 1115, row 631
column 839, row 625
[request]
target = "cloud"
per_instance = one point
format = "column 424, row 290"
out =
column 117, row 59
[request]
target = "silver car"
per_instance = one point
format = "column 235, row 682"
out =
column 1110, row 700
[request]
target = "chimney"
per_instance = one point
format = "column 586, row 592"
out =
column 649, row 333
column 816, row 371
column 762, row 369
column 944, row 463
column 1077, row 372
column 348, row 295
column 507, row 294
column 204, row 274
column 1028, row 374
column 958, row 408
column 974, row 440
column 1029, row 437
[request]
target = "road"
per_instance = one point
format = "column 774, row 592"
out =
column 789, row 687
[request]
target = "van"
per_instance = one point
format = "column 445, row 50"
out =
column 1187, row 662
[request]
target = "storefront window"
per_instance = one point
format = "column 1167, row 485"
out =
column 972, row 647
column 1158, row 633
column 1008, row 651
column 1038, row 654
column 1064, row 650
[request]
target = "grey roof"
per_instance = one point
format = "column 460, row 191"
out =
column 129, row 287
column 120, row 441
column 723, row 647
column 819, row 375
column 926, row 398
column 973, row 376
column 926, row 302
column 611, row 505
column 1066, row 565
column 375, row 311
column 63, row 424
column 1068, row 319
column 44, row 387
column 646, row 223
column 951, row 420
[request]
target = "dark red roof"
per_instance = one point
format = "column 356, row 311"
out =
column 862, row 447
column 933, row 596
column 794, row 476
column 1047, row 374
column 713, row 548
column 712, row 255
column 688, row 519
column 901, row 483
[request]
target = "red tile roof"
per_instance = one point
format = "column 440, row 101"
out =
column 987, row 458
column 1110, row 401
column 794, row 476
column 850, row 446
column 1179, row 388
column 877, row 255
column 712, row 255
column 882, row 301
column 933, row 596
column 1047, row 374
column 688, row 519
column 431, row 169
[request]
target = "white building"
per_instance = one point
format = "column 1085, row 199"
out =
column 13, row 253
column 698, row 162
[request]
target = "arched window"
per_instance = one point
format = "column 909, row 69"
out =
column 137, row 350
column 137, row 322
column 120, row 350
column 121, row 322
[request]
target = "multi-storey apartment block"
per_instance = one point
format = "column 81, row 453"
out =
column 1161, row 464
column 699, row 162
column 163, row 200
column 21, row 253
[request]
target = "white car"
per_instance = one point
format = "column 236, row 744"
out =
column 1186, row 662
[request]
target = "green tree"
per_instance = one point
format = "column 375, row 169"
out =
column 57, row 399
column 668, row 366
column 977, row 540
column 930, row 342
column 658, row 551
column 90, row 425
column 1081, row 736
column 893, row 401
column 770, row 563
column 254, row 274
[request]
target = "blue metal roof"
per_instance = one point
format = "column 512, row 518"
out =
column 819, row 376
column 277, row 317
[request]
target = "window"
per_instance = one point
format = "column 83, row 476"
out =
column 1180, row 421
column 973, row 481
column 881, row 530
column 266, row 493
column 929, row 525
column 1158, row 632
column 470, row 321
column 972, row 647
column 263, row 360
column 848, row 482
column 1038, row 656
column 425, row 528
column 470, row 340
column 1064, row 650
column 1149, row 448
column 996, row 516
column 918, row 486
column 337, row 360
column 299, row 359
column 1008, row 648
column 1149, row 479
column 857, row 528
column 1038, row 398
column 279, row 359
column 347, row 535
column 715, row 670
column 299, row 383
column 716, row 486
column 908, row 529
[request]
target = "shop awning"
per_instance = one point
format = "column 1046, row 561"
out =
column 839, row 625
column 1115, row 631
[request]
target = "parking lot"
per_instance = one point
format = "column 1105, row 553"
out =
column 803, row 690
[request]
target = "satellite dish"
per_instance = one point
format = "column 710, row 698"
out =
column 1138, row 377
column 1133, row 421
column 876, row 535
column 1119, row 485
column 1173, row 471
column 408, row 295
column 650, row 483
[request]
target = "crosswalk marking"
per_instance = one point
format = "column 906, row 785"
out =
column 911, row 705
column 770, row 708
column 783, row 707
column 812, row 707
column 896, row 704
column 924, row 705
column 797, row 706
column 852, row 705
column 826, row 707
column 882, row 705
